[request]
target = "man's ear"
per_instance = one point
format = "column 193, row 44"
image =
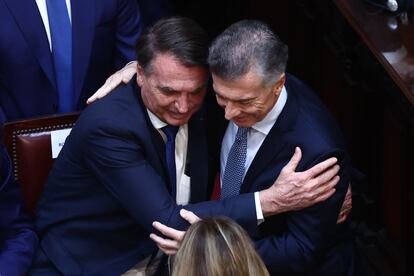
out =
column 277, row 88
column 140, row 75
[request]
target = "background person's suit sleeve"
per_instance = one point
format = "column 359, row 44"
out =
column 18, row 239
column 129, row 28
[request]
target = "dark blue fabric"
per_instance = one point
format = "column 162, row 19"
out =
column 305, row 242
column 308, row 241
column 171, row 133
column 104, row 33
column 61, row 37
column 152, row 10
column 18, row 240
column 110, row 182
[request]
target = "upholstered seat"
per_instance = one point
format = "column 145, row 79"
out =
column 29, row 145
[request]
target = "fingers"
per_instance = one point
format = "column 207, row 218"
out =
column 189, row 216
column 349, row 193
column 346, row 206
column 341, row 218
column 327, row 186
column 320, row 167
column 324, row 196
column 108, row 86
column 128, row 72
column 328, row 174
column 294, row 161
column 325, row 191
column 169, row 247
column 123, row 75
column 168, row 231
column 343, row 215
column 94, row 97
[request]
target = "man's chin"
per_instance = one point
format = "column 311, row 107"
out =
column 243, row 122
column 178, row 121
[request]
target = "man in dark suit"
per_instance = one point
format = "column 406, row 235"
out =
column 95, row 38
column 18, row 239
column 115, row 174
column 270, row 113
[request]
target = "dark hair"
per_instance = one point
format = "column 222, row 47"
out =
column 180, row 36
column 246, row 45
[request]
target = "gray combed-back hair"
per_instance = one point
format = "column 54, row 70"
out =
column 246, row 45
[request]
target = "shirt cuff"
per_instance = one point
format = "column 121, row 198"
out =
column 259, row 212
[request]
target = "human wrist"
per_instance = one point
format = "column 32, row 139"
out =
column 269, row 203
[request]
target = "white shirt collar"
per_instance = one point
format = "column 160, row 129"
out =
column 155, row 121
column 265, row 125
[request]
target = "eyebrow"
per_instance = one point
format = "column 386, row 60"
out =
column 170, row 89
column 238, row 100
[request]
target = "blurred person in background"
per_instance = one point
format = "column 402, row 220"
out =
column 55, row 53
column 18, row 240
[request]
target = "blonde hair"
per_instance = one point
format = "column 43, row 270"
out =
column 217, row 246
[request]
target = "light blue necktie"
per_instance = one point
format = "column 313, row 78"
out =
column 234, row 171
column 171, row 133
column 61, row 36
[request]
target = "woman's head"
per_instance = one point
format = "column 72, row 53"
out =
column 217, row 246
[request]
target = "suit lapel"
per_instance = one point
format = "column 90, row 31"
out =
column 154, row 138
column 159, row 146
column 273, row 143
column 27, row 16
column 83, row 26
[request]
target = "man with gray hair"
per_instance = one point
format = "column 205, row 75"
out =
column 270, row 113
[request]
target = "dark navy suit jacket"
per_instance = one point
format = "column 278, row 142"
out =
column 110, row 183
column 306, row 242
column 18, row 240
column 104, row 36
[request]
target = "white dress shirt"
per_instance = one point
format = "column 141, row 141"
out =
column 41, row 5
column 181, row 142
column 255, row 138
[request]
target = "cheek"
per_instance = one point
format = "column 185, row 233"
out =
column 164, row 101
column 157, row 104
column 249, row 110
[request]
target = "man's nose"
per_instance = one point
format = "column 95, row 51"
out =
column 231, row 111
column 182, row 103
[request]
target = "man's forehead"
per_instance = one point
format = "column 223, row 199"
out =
column 238, row 89
column 160, row 59
column 186, row 82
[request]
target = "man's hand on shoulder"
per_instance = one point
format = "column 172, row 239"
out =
column 123, row 75
column 298, row 190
